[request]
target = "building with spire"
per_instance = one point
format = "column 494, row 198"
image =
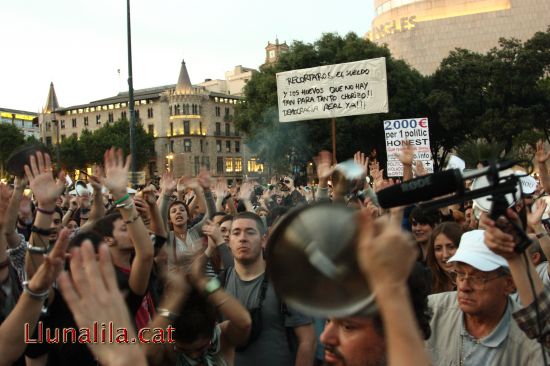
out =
column 274, row 50
column 192, row 126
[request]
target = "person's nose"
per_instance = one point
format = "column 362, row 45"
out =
column 328, row 337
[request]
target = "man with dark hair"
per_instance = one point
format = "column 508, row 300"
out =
column 247, row 281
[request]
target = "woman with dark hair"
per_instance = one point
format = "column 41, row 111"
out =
column 443, row 244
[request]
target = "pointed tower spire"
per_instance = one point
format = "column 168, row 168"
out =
column 51, row 102
column 184, row 83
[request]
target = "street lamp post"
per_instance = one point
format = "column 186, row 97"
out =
column 131, row 103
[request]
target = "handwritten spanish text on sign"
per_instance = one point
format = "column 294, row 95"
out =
column 416, row 131
column 333, row 91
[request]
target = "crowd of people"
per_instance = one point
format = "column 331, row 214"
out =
column 174, row 273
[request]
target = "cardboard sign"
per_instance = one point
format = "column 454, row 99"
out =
column 416, row 131
column 333, row 91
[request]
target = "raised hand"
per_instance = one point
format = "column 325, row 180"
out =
column 212, row 230
column 167, row 183
column 93, row 297
column 541, row 155
column 95, row 179
column 220, row 188
column 5, row 195
column 361, row 159
column 205, row 179
column 324, row 166
column 534, row 218
column 116, row 172
column 497, row 240
column 45, row 189
column 386, row 254
column 419, row 169
column 407, row 154
column 246, row 191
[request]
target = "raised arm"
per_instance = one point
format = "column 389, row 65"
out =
column 20, row 323
column 386, row 257
column 541, row 157
column 244, row 195
column 324, row 171
column 4, row 260
column 46, row 191
column 406, row 157
column 12, row 210
column 167, row 187
column 116, row 180
column 98, row 207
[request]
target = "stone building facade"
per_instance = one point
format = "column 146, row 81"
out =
column 192, row 127
column 423, row 32
column 26, row 121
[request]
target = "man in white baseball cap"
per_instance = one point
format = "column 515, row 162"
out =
column 473, row 325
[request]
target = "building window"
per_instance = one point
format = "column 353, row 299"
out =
column 170, row 110
column 171, row 128
column 218, row 111
column 151, row 129
column 75, row 135
column 229, row 165
column 197, row 165
column 171, row 146
column 136, row 113
column 149, row 112
column 255, row 166
column 177, row 109
column 227, row 130
column 228, row 146
column 218, row 129
column 206, row 162
column 97, row 119
column 238, row 165
column 219, row 146
column 123, row 115
column 200, row 127
column 49, row 140
column 202, row 145
column 85, row 121
column 219, row 163
column 187, row 145
column 195, row 109
column 237, row 146
column 62, row 138
column 227, row 112
column 111, row 117
column 73, row 121
column 186, row 128
column 186, row 109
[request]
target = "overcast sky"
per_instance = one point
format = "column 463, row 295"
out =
column 80, row 45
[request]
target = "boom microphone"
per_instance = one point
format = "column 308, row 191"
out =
column 433, row 185
column 421, row 189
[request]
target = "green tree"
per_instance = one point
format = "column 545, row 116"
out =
column 72, row 153
column 11, row 138
column 281, row 143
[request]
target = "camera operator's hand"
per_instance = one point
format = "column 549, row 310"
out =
column 499, row 241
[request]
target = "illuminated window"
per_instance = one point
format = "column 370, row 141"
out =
column 111, row 106
column 228, row 165
column 255, row 166
column 238, row 164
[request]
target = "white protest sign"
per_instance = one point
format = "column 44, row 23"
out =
column 414, row 130
column 333, row 91
column 456, row 163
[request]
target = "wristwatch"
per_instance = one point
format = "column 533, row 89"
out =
column 212, row 286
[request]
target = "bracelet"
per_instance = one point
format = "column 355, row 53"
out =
column 126, row 206
column 119, row 201
column 165, row 313
column 5, row 263
column 38, row 250
column 131, row 220
column 41, row 231
column 219, row 305
column 35, row 295
column 45, row 212
column 541, row 235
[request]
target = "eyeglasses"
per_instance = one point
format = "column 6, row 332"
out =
column 477, row 282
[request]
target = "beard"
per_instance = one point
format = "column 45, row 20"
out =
column 344, row 362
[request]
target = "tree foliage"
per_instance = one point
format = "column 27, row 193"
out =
column 89, row 149
column 11, row 138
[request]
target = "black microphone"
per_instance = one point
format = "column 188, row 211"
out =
column 421, row 189
column 433, row 185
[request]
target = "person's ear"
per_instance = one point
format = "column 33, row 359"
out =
column 535, row 258
column 510, row 286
